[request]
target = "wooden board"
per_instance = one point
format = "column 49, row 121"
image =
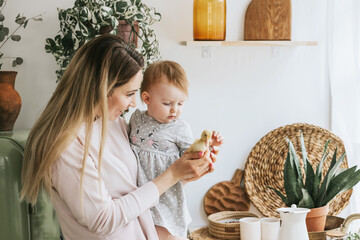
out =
column 227, row 196
column 268, row 20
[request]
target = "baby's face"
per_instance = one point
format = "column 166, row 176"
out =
column 164, row 101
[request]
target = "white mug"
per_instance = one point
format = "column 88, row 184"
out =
column 250, row 228
column 270, row 228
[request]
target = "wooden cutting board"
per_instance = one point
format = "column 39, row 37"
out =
column 268, row 20
column 227, row 196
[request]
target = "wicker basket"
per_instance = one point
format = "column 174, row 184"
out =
column 265, row 164
column 219, row 226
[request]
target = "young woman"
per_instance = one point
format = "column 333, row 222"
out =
column 79, row 151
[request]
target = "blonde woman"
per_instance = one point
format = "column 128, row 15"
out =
column 79, row 151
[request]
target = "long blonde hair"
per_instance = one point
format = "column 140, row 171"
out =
column 98, row 67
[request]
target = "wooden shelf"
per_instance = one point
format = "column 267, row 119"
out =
column 247, row 43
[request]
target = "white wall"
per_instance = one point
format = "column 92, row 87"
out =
column 244, row 92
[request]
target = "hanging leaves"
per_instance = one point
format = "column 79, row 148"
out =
column 87, row 18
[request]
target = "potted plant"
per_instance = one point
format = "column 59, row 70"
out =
column 10, row 101
column 315, row 189
column 88, row 18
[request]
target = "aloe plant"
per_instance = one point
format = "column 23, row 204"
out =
column 312, row 191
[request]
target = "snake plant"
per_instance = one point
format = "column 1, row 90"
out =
column 312, row 191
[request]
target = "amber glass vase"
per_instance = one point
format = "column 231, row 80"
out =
column 209, row 20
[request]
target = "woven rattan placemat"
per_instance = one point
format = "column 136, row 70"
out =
column 202, row 234
column 265, row 163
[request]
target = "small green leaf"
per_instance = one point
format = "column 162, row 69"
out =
column 85, row 14
column 0, row 65
column 2, row 36
column 139, row 16
column 20, row 20
column 39, row 19
column 2, row 17
column 16, row 38
column 19, row 60
column 5, row 30
column 14, row 63
column 26, row 23
column 67, row 41
column 120, row 7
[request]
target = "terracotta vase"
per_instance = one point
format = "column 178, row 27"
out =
column 316, row 219
column 124, row 31
column 10, row 101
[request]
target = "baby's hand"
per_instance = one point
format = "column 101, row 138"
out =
column 217, row 139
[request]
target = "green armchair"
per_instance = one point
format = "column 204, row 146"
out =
column 18, row 220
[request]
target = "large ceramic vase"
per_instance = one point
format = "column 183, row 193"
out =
column 10, row 101
column 316, row 219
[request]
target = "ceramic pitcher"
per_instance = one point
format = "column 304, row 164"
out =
column 293, row 224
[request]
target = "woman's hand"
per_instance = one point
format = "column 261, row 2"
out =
column 189, row 167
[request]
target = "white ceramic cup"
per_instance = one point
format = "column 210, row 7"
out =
column 270, row 228
column 250, row 228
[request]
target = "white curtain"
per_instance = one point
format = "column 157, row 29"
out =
column 344, row 73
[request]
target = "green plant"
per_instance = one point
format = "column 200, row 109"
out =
column 5, row 34
column 85, row 19
column 312, row 191
column 353, row 236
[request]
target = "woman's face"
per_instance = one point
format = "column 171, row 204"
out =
column 124, row 97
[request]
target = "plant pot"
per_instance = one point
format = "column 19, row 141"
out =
column 124, row 31
column 316, row 219
column 332, row 222
column 10, row 101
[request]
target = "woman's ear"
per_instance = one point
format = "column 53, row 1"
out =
column 145, row 97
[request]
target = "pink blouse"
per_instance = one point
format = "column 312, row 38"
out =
column 114, row 208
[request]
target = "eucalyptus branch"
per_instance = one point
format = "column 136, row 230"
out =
column 9, row 36
column 20, row 25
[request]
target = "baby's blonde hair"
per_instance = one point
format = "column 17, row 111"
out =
column 171, row 70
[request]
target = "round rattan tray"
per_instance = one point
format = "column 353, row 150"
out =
column 226, row 224
column 265, row 163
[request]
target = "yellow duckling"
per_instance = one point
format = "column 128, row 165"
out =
column 200, row 145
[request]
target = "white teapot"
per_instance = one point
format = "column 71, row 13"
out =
column 293, row 224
